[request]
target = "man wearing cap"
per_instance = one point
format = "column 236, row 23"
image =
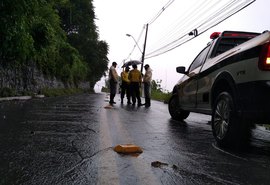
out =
column 147, row 78
column 125, row 86
column 113, row 79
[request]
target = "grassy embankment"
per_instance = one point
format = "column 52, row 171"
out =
column 160, row 96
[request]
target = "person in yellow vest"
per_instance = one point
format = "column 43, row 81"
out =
column 125, row 86
column 135, row 78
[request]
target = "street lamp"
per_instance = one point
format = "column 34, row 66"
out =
column 144, row 46
column 134, row 41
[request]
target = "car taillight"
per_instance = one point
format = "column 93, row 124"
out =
column 264, row 60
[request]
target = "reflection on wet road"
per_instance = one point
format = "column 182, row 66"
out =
column 70, row 140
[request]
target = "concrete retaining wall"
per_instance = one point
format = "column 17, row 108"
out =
column 29, row 79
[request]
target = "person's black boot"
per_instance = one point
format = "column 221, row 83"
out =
column 147, row 105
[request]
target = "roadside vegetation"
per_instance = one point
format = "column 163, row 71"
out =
column 161, row 96
column 60, row 92
column 157, row 93
column 267, row 127
column 58, row 36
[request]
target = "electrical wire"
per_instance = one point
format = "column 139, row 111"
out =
column 150, row 22
column 184, row 25
column 161, row 11
column 172, row 32
column 178, row 39
column 222, row 13
column 191, row 21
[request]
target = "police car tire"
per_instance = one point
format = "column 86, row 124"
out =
column 175, row 111
column 225, row 122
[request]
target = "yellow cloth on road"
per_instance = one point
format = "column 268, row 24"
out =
column 128, row 148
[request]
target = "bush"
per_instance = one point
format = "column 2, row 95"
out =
column 7, row 92
column 60, row 92
column 160, row 96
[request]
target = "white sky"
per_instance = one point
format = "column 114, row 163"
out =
column 118, row 17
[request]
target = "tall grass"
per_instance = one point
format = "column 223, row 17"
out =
column 60, row 91
column 160, row 96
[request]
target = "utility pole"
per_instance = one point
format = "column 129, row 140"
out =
column 144, row 46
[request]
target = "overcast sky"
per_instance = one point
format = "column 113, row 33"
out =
column 117, row 18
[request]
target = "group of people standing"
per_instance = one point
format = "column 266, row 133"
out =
column 131, row 83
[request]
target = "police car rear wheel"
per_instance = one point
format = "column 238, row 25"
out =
column 224, row 123
column 229, row 129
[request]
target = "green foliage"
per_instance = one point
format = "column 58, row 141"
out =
column 160, row 96
column 60, row 36
column 16, row 41
column 60, row 92
column 78, row 71
column 65, row 73
column 156, row 85
column 28, row 30
column 78, row 22
column 6, row 92
column 157, row 93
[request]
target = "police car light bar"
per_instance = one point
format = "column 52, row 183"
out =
column 215, row 35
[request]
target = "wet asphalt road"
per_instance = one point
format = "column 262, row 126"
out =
column 70, row 140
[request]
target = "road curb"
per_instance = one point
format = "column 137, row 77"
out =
column 21, row 97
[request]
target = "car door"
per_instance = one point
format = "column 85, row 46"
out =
column 189, row 86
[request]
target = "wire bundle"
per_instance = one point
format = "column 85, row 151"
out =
column 195, row 19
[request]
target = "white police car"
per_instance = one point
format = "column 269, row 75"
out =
column 230, row 80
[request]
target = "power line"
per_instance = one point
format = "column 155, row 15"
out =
column 201, row 25
column 185, row 37
column 150, row 22
column 190, row 22
column 182, row 24
column 161, row 11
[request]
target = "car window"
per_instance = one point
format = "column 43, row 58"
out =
column 198, row 61
column 226, row 44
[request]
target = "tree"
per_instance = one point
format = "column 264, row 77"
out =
column 156, row 85
column 59, row 36
column 78, row 22
column 31, row 32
